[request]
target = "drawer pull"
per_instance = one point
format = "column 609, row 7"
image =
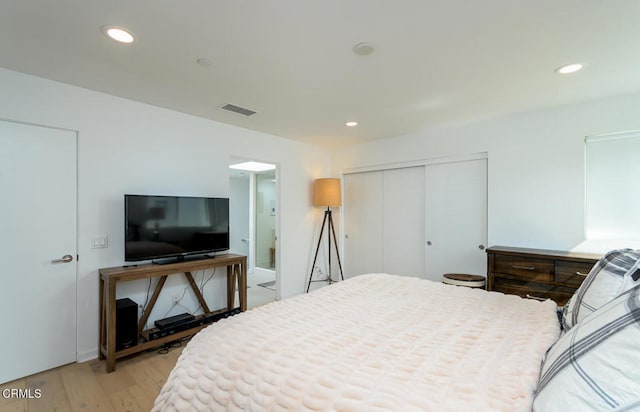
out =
column 535, row 297
column 524, row 267
column 581, row 274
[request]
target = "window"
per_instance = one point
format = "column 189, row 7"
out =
column 612, row 187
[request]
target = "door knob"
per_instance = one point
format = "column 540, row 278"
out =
column 64, row 259
column 429, row 243
column 481, row 247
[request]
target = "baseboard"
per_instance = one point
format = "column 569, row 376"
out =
column 87, row 355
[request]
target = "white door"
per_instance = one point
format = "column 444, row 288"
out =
column 384, row 222
column 37, row 226
column 362, row 223
column 403, row 214
column 456, row 218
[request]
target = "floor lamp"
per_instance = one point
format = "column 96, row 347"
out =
column 327, row 192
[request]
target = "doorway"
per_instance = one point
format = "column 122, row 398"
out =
column 254, row 219
column 38, row 217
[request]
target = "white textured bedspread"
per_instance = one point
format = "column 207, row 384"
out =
column 372, row 343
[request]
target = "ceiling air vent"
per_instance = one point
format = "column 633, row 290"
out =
column 237, row 109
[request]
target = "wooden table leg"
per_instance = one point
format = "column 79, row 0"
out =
column 101, row 340
column 231, row 288
column 111, row 326
column 242, row 285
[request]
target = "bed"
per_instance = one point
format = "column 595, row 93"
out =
column 379, row 342
column 373, row 342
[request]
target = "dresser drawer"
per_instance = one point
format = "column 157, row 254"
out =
column 571, row 273
column 531, row 269
column 546, row 274
column 559, row 294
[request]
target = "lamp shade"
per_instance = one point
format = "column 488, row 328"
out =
column 326, row 192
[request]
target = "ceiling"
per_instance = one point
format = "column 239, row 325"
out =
column 435, row 63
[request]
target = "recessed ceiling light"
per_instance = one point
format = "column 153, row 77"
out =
column 569, row 68
column 119, row 34
column 253, row 166
column 351, row 124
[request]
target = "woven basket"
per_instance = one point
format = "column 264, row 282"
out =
column 463, row 279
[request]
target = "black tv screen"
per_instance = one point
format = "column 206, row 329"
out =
column 174, row 226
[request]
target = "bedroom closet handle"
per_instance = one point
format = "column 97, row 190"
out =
column 524, row 267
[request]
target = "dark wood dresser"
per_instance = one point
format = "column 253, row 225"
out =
column 537, row 273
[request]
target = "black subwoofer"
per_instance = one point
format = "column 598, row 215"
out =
column 126, row 323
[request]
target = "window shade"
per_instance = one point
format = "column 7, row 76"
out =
column 612, row 191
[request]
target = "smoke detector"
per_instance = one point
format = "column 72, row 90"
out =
column 363, row 49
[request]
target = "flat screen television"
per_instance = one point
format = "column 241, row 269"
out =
column 159, row 227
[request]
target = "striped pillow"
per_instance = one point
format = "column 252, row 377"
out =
column 594, row 366
column 616, row 272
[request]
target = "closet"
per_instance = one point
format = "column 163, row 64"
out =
column 420, row 220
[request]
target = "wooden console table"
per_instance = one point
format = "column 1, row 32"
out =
column 109, row 277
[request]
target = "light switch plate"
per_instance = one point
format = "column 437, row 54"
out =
column 100, row 242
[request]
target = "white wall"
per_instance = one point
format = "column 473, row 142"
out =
column 535, row 165
column 130, row 147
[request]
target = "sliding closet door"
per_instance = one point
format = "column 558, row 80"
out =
column 384, row 222
column 403, row 214
column 456, row 218
column 362, row 223
column 419, row 221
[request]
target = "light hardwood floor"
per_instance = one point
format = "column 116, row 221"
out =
column 258, row 295
column 133, row 386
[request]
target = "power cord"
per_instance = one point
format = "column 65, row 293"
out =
column 164, row 349
column 203, row 283
column 168, row 346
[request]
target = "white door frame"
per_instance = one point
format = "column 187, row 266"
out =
column 252, row 218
